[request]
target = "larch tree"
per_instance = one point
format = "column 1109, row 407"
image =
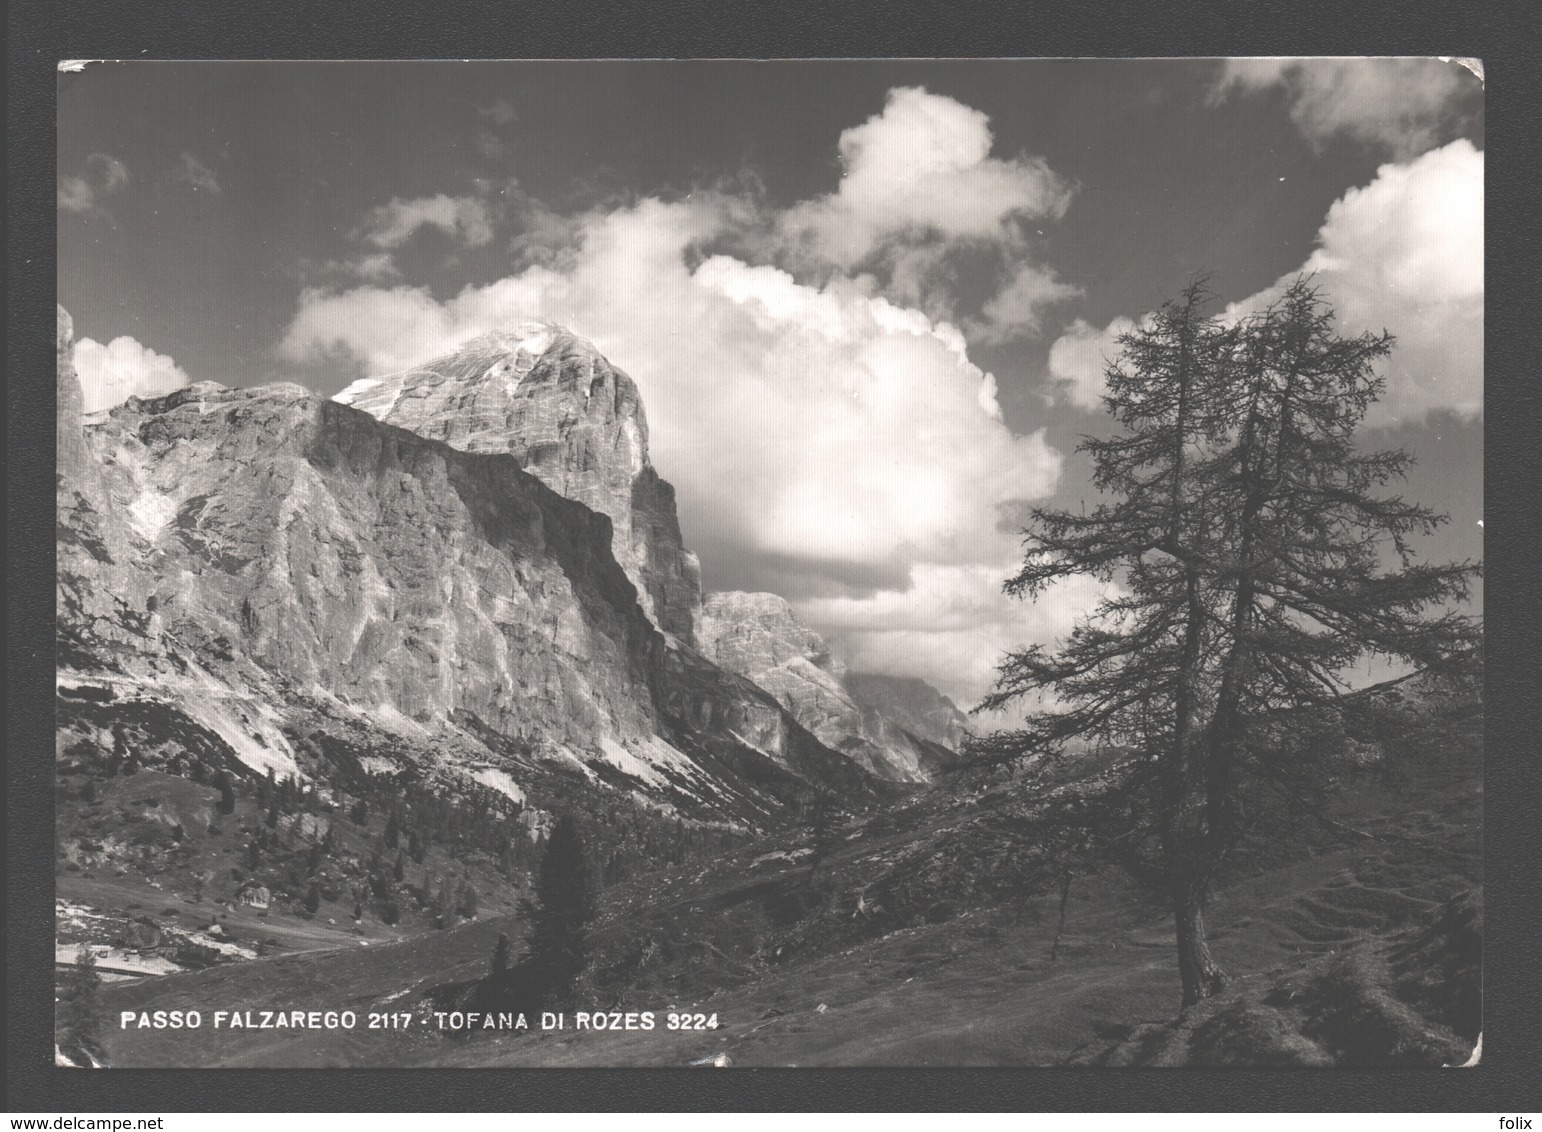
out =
column 1249, row 559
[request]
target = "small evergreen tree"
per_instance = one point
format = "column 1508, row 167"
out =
column 399, row 870
column 227, row 804
column 501, row 951
column 312, row 897
column 564, row 902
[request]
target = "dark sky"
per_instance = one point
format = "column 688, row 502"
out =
column 200, row 201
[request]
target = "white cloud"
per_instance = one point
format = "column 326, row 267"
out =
column 918, row 187
column 197, row 174
column 104, row 174
column 465, row 218
column 953, row 627
column 1017, row 310
column 111, row 374
column 1403, row 253
column 1080, row 356
column 923, row 165
column 376, row 268
column 1401, row 103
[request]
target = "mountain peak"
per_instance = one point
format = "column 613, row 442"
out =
column 546, row 396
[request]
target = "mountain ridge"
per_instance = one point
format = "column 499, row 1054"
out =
column 269, row 547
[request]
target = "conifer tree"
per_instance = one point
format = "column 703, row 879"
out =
column 564, row 903
column 1250, row 560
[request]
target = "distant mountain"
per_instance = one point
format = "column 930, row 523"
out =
column 903, row 730
column 916, row 709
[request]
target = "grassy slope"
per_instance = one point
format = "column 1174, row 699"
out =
column 1348, row 953
column 123, row 881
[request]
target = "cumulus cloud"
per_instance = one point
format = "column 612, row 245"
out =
column 111, row 374
column 104, row 174
column 1402, row 104
column 464, row 218
column 197, row 174
column 922, row 165
column 1079, row 359
column 1403, row 253
column 918, row 187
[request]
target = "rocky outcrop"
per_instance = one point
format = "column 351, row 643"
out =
column 275, row 571
column 100, row 592
column 553, row 402
column 758, row 636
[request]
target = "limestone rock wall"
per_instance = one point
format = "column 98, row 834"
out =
column 570, row 418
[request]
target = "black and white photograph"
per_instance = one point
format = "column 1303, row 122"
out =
column 766, row 564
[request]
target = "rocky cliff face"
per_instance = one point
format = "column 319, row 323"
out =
column 570, row 418
column 758, row 636
column 278, row 570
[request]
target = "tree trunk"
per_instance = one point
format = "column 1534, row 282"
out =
column 1065, row 896
column 1200, row 974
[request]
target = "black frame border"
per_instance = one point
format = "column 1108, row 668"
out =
column 41, row 33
